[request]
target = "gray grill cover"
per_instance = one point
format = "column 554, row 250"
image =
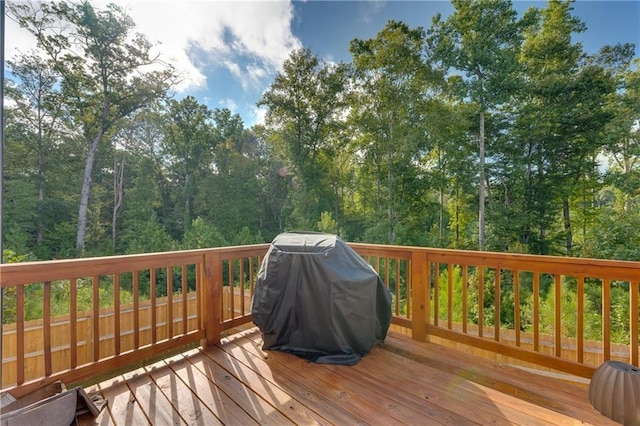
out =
column 318, row 298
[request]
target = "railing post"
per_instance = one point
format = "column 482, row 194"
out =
column 211, row 298
column 419, row 295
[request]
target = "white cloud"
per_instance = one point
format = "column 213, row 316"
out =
column 258, row 115
column 369, row 9
column 230, row 104
column 249, row 38
column 229, row 33
column 16, row 39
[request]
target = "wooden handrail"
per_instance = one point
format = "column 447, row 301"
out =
column 105, row 345
column 222, row 280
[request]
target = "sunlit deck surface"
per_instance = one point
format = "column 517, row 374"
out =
column 402, row 382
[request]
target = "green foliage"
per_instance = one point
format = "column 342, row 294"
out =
column 202, row 235
column 385, row 149
column 149, row 237
column 327, row 224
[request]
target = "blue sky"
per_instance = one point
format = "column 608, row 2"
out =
column 229, row 52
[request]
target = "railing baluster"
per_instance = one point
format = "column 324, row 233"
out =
column 116, row 310
column 558, row 314
column 136, row 310
column 152, row 294
column 465, row 296
column 436, row 293
column 580, row 314
column 251, row 274
column 450, row 296
column 397, row 260
column 73, row 323
column 231, row 285
column 633, row 329
column 20, row 334
column 606, row 319
column 242, row 281
column 95, row 284
column 170, row 302
column 516, row 303
column 536, row 312
column 184, row 300
column 496, row 311
column 386, row 273
column 480, row 301
column 46, row 323
column 427, row 290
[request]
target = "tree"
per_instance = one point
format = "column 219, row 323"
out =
column 39, row 114
column 562, row 115
column 237, row 166
column 482, row 40
column 389, row 114
column 103, row 68
column 189, row 146
column 305, row 105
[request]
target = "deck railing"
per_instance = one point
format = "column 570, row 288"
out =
column 99, row 314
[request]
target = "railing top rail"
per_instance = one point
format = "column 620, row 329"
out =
column 29, row 272
column 50, row 270
column 573, row 266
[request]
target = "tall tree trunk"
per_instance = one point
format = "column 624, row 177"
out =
column 567, row 225
column 86, row 190
column 118, row 194
column 40, row 205
column 441, row 218
column 481, row 186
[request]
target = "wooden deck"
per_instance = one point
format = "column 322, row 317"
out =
column 402, row 382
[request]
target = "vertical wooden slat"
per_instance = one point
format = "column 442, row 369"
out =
column 536, row 311
column 436, row 293
column 116, row 316
column 170, row 302
column 46, row 324
column 241, row 280
column 184, row 299
column 20, row 334
column 387, row 264
column 633, row 329
column 427, row 290
column 465, row 296
column 73, row 323
column 516, row 305
column 557, row 314
column 96, row 317
column 251, row 274
column 496, row 312
column 450, row 296
column 398, row 285
column 409, row 288
column 232, row 282
column 152, row 294
column 480, row 301
column 606, row 319
column 136, row 310
column 580, row 315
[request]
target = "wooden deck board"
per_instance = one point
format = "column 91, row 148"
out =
column 401, row 382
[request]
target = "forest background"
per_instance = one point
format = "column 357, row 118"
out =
column 484, row 131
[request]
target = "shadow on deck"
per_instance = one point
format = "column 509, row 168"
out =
column 400, row 382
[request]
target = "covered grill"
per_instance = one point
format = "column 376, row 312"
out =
column 317, row 298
